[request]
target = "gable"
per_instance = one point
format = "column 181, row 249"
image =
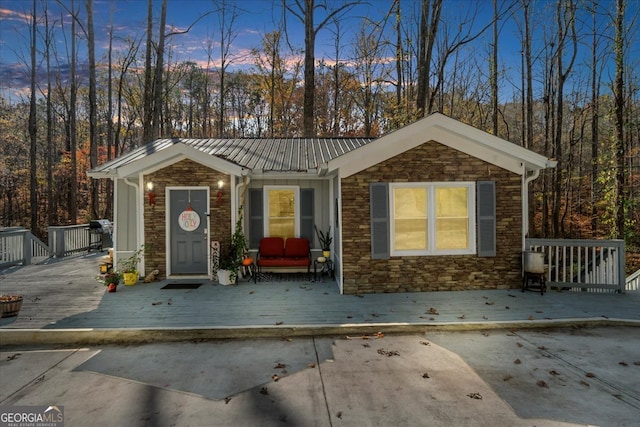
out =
column 446, row 131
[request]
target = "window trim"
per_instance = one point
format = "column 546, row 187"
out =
column 296, row 206
column 431, row 215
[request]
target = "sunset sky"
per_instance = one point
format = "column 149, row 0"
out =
column 255, row 19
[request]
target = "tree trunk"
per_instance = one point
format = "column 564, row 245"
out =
column 93, row 120
column 309, row 70
column 33, row 130
column 619, row 119
column 429, row 20
column 147, row 123
column 158, row 81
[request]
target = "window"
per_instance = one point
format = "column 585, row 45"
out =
column 282, row 211
column 432, row 218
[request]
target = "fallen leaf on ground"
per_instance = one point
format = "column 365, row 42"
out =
column 275, row 377
column 279, row 323
column 637, row 363
column 280, row 366
column 425, row 375
column 590, row 375
column 485, row 317
column 461, row 317
column 388, row 353
column 507, row 307
column 433, row 311
column 554, row 372
column 584, row 383
column 339, row 415
column 507, row 377
column 425, row 343
column 264, row 390
column 489, row 302
column 542, row 384
column 519, row 344
column 156, row 303
column 517, row 361
column 227, row 400
column 477, row 396
column 311, row 365
column 542, row 348
column 623, row 363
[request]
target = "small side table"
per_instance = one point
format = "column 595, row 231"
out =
column 325, row 267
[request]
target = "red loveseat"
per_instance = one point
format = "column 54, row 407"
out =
column 274, row 252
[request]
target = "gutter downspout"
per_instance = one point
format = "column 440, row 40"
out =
column 525, row 201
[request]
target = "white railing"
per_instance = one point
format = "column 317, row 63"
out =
column 70, row 239
column 19, row 246
column 582, row 265
column 633, row 282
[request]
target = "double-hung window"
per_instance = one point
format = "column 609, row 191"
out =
column 432, row 218
column 282, row 211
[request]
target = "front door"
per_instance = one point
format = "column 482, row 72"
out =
column 188, row 226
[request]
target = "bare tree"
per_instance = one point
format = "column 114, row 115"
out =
column 33, row 129
column 429, row 22
column 566, row 29
column 619, row 100
column 227, row 14
column 305, row 13
column 93, row 122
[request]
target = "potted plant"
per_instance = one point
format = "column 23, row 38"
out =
column 111, row 279
column 230, row 261
column 325, row 240
column 129, row 267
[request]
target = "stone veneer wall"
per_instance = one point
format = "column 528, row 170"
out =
column 183, row 173
column 430, row 162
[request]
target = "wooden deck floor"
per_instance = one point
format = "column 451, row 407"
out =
column 64, row 294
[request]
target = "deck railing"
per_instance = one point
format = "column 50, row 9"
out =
column 633, row 282
column 70, row 239
column 583, row 265
column 19, row 246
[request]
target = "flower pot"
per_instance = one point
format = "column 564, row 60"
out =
column 112, row 287
column 130, row 279
column 224, row 277
column 10, row 305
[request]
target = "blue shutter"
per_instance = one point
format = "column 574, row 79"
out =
column 486, row 206
column 379, row 194
column 306, row 214
column 256, row 225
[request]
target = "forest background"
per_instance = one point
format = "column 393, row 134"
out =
column 559, row 77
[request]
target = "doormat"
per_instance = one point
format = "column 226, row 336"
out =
column 182, row 286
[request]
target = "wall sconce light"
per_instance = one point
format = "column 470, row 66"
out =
column 220, row 184
column 151, row 194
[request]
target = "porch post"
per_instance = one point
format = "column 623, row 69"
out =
column 622, row 277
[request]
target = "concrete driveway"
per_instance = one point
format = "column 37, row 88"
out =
column 477, row 378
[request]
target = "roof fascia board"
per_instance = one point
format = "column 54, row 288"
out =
column 447, row 131
column 259, row 175
column 174, row 154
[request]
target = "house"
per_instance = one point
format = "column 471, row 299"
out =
column 435, row 205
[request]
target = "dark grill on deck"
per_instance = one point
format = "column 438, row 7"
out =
column 100, row 234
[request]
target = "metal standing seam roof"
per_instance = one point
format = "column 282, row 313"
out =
column 258, row 154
